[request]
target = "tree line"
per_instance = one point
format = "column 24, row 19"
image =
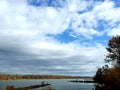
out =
column 17, row 76
column 108, row 77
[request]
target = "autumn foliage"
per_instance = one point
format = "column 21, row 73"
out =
column 109, row 78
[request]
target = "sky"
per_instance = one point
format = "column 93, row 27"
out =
column 66, row 37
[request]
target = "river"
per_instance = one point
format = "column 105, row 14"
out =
column 57, row 84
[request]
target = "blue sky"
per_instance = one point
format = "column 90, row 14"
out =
column 56, row 36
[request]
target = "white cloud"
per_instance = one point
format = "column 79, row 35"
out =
column 114, row 31
column 20, row 17
column 24, row 29
column 85, row 24
column 42, row 19
column 77, row 5
column 108, row 12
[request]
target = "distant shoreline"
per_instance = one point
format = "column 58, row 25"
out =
column 86, row 81
column 37, row 77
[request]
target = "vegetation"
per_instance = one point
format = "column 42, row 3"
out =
column 114, row 50
column 109, row 78
column 16, row 77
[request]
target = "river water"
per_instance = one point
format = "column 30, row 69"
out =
column 57, row 84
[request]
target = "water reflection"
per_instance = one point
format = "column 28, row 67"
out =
column 48, row 88
column 57, row 84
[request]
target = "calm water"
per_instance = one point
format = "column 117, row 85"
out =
column 58, row 84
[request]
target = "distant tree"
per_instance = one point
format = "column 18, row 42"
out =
column 113, row 50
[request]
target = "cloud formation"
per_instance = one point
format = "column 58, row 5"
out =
column 29, row 31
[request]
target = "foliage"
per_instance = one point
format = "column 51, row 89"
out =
column 113, row 50
column 109, row 78
column 16, row 77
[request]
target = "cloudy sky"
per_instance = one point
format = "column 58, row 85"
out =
column 56, row 36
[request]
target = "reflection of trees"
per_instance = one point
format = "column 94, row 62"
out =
column 48, row 88
column 109, row 78
column 10, row 88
